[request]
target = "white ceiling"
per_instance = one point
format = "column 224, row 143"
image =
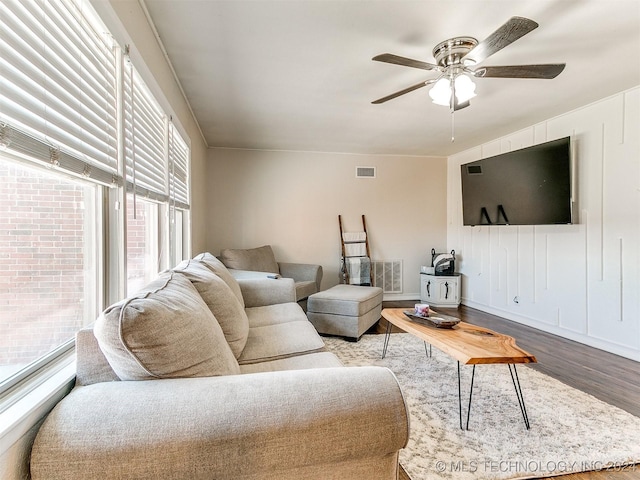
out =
column 298, row 74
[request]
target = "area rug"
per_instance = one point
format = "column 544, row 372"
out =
column 571, row 431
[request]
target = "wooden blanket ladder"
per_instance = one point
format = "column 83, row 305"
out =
column 354, row 246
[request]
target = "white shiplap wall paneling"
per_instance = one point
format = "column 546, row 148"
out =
column 581, row 281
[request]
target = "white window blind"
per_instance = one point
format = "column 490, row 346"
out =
column 178, row 169
column 145, row 140
column 58, row 87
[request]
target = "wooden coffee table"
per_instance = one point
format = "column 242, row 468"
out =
column 469, row 345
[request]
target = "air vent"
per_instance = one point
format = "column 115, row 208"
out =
column 474, row 169
column 388, row 275
column 365, row 172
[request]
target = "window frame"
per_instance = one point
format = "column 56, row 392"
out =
column 110, row 254
column 18, row 384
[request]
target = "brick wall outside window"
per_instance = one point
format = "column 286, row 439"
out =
column 42, row 263
column 44, row 271
column 140, row 259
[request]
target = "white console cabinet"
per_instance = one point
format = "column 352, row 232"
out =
column 440, row 290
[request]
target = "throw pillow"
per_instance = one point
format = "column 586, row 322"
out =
column 221, row 301
column 164, row 331
column 217, row 267
column 259, row 259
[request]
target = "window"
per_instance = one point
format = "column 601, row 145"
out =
column 145, row 140
column 178, row 195
column 178, row 239
column 58, row 81
column 142, row 243
column 48, row 265
column 93, row 179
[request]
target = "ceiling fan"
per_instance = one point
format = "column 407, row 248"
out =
column 457, row 59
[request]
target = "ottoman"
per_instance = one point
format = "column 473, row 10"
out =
column 345, row 310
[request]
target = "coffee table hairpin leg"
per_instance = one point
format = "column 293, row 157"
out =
column 473, row 375
column 387, row 335
column 516, row 385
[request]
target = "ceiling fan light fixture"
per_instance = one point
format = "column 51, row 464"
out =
column 440, row 93
column 465, row 88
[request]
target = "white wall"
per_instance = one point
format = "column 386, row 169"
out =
column 580, row 281
column 291, row 200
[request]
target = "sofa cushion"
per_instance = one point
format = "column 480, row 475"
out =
column 217, row 267
column 274, row 314
column 266, row 291
column 297, row 362
column 259, row 259
column 91, row 364
column 272, row 342
column 221, row 301
column 164, row 331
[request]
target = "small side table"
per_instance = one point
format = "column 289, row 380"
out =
column 440, row 290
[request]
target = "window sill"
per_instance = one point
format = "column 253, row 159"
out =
column 33, row 400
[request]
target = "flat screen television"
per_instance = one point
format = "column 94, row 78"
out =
column 530, row 186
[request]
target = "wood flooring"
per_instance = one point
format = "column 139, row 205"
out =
column 606, row 376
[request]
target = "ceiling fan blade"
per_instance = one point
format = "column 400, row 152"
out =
column 402, row 92
column 547, row 71
column 508, row 33
column 406, row 62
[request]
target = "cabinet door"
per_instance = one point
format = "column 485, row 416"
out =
column 426, row 289
column 447, row 290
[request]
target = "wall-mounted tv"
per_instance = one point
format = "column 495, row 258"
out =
column 530, row 186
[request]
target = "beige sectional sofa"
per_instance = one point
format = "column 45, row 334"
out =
column 261, row 262
column 202, row 376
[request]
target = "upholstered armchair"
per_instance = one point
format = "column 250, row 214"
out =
column 261, row 261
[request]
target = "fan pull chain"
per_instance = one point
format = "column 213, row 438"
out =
column 452, row 105
column 452, row 125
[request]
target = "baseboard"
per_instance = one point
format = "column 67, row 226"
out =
column 390, row 297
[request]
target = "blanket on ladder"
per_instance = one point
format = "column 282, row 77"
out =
column 359, row 270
